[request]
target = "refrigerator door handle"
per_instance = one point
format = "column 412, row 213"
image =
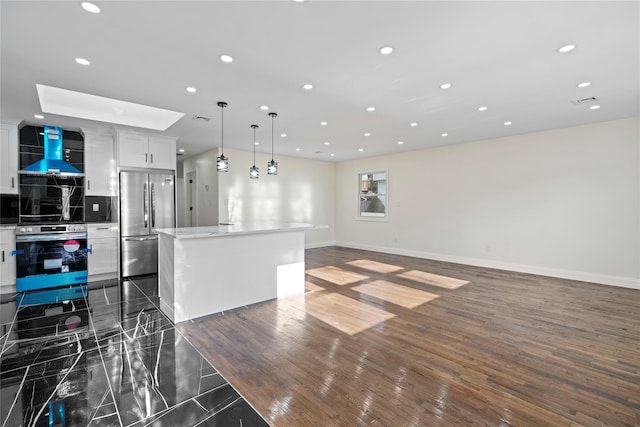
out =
column 141, row 239
column 146, row 207
column 153, row 206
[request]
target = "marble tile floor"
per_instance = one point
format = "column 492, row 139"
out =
column 106, row 358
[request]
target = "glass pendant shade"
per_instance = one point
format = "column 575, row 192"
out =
column 254, row 173
column 222, row 163
column 272, row 166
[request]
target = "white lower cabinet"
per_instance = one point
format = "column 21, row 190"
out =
column 103, row 258
column 7, row 262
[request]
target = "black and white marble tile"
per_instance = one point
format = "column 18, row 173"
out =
column 110, row 358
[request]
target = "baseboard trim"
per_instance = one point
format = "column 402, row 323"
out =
column 625, row 282
column 319, row 245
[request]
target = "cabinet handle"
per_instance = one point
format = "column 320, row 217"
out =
column 146, row 158
column 2, row 256
column 151, row 157
column 88, row 184
column 13, row 184
column 91, row 248
column 102, row 228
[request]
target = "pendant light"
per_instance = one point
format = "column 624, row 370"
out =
column 254, row 173
column 222, row 163
column 272, row 166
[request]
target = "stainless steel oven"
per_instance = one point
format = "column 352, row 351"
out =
column 50, row 255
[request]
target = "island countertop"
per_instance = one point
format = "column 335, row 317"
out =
column 234, row 229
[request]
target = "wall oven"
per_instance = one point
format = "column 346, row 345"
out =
column 50, row 255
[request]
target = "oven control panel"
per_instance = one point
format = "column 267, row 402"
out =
column 50, row 228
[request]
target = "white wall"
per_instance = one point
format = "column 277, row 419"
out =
column 207, row 181
column 564, row 203
column 303, row 191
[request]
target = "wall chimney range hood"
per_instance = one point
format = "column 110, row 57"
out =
column 53, row 162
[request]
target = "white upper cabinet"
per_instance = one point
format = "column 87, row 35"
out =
column 99, row 165
column 146, row 151
column 8, row 159
column 162, row 152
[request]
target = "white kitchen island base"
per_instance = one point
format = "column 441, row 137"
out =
column 207, row 270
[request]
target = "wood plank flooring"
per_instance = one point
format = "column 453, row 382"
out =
column 383, row 340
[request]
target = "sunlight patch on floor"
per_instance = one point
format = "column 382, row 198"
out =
column 396, row 294
column 433, row 279
column 312, row 287
column 344, row 313
column 336, row 275
column 376, row 266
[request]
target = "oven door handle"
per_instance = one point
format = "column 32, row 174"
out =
column 87, row 251
column 17, row 252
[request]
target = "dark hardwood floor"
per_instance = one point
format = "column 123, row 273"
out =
column 383, row 340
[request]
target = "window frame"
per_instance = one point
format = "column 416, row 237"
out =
column 359, row 214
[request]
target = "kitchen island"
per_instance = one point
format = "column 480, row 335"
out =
column 207, row 270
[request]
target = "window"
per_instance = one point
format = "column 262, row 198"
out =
column 372, row 195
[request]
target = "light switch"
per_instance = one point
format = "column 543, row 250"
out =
column 96, row 207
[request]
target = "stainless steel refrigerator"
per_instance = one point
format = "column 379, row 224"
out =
column 146, row 203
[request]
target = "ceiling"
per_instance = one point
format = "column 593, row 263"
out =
column 502, row 55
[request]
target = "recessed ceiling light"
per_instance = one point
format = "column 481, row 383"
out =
column 507, row 123
column 283, row 135
column 367, row 134
column 326, row 143
column 298, row 1
column 191, row 89
column 90, row 7
column 400, row 142
column 82, row 61
column 584, row 84
column 386, row 50
column 360, row 149
column 566, row 48
column 371, row 108
column 38, row 116
column 482, row 108
column 256, row 143
column 445, row 85
column 594, row 107
column 297, row 149
column 226, row 58
column 323, row 123
column 181, row 150
column 413, row 124
column 264, row 107
column 69, row 103
column 445, row 134
column 307, row 86
column 332, row 154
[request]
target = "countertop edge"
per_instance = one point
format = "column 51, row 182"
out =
column 216, row 231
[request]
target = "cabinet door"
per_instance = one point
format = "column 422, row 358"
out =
column 162, row 152
column 133, row 150
column 7, row 262
column 100, row 170
column 8, row 159
column 103, row 257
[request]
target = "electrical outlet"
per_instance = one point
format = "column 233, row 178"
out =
column 96, row 207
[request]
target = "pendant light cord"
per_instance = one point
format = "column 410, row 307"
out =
column 254, row 144
column 273, row 116
column 222, row 128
